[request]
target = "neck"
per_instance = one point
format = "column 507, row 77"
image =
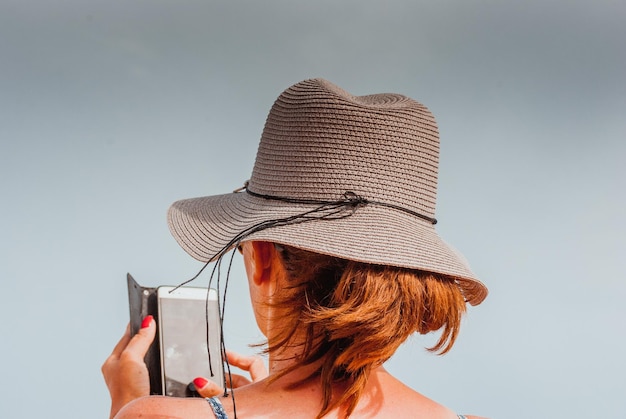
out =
column 286, row 358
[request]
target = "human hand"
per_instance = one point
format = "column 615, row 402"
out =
column 254, row 365
column 125, row 371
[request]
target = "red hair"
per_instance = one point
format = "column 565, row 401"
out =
column 351, row 317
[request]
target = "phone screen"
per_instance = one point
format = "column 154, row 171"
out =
column 183, row 338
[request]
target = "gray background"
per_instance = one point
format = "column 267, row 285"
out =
column 111, row 110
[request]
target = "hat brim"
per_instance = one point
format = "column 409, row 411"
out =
column 372, row 234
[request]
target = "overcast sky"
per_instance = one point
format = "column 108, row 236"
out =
column 111, row 110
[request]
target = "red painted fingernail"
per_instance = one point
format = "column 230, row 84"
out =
column 146, row 321
column 199, row 382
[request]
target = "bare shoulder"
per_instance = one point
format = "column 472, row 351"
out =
column 406, row 402
column 160, row 407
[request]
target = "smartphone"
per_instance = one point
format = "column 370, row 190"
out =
column 188, row 319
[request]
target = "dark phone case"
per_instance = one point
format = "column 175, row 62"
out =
column 142, row 301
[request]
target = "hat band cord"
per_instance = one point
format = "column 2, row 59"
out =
column 327, row 210
column 350, row 199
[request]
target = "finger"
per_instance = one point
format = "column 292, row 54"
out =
column 123, row 342
column 140, row 343
column 253, row 364
column 207, row 388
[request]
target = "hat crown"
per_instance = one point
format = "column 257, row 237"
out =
column 319, row 142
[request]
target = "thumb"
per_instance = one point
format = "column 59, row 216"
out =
column 207, row 388
column 140, row 343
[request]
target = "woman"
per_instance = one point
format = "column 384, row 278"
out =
column 336, row 228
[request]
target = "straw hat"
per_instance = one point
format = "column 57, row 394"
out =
column 349, row 176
